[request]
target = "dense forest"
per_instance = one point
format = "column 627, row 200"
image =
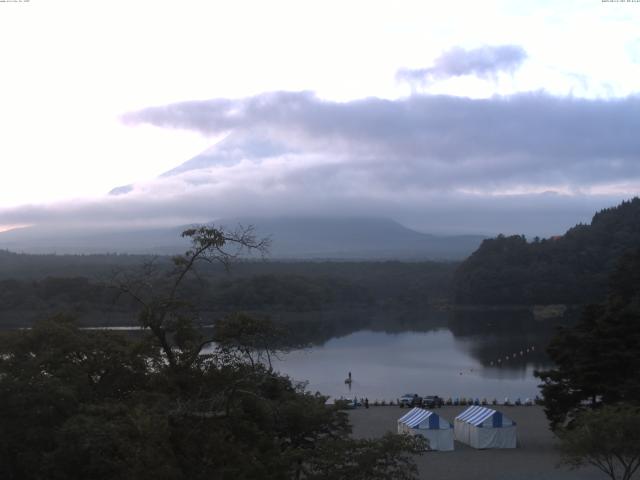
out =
column 568, row 269
column 507, row 270
column 84, row 286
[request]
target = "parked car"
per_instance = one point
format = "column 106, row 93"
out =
column 432, row 401
column 348, row 403
column 410, row 400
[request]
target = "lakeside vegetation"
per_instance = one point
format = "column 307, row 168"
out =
column 268, row 287
column 571, row 269
column 96, row 404
column 80, row 400
column 592, row 395
column 568, row 269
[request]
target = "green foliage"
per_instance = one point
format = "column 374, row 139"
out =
column 607, row 438
column 50, row 374
column 288, row 292
column 367, row 459
column 569, row 269
column 87, row 404
column 267, row 287
column 598, row 360
column 80, row 404
column 257, row 339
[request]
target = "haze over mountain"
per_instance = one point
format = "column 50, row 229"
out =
column 296, row 155
column 501, row 123
column 231, row 150
column 302, row 238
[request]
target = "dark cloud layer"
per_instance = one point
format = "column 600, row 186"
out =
column 532, row 214
column 483, row 62
column 453, row 142
column 438, row 163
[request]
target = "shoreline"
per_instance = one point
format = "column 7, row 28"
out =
column 535, row 458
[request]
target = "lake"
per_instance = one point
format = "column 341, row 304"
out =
column 490, row 355
column 390, row 353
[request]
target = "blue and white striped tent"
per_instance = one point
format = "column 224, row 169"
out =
column 430, row 425
column 482, row 427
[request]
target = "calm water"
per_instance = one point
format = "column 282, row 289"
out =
column 454, row 356
column 461, row 354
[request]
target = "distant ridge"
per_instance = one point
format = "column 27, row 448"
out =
column 292, row 238
column 571, row 268
column 359, row 238
column 231, row 150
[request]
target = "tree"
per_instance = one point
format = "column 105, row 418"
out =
column 56, row 379
column 159, row 294
column 607, row 438
column 598, row 360
column 569, row 269
column 257, row 339
column 80, row 404
column 367, row 459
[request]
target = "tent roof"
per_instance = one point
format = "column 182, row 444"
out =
column 476, row 415
column 415, row 417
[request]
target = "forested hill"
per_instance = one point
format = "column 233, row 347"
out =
column 571, row 269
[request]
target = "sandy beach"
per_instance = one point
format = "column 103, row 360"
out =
column 535, row 458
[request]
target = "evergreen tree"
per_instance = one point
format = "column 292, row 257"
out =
column 598, row 360
column 570, row 269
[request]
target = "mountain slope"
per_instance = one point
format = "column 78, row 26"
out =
column 304, row 238
column 572, row 268
column 229, row 151
column 45, row 239
column 359, row 238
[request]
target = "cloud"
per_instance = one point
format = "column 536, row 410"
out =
column 483, row 62
column 171, row 202
column 439, row 163
column 433, row 142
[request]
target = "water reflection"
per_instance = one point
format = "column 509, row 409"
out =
column 510, row 341
column 445, row 353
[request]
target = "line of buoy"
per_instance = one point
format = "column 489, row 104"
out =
column 521, row 353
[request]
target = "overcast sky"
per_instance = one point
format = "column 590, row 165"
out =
column 476, row 117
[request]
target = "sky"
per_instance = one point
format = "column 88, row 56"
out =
column 450, row 117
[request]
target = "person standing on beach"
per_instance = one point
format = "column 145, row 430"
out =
column 366, row 403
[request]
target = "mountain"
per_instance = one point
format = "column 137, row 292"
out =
column 572, row 268
column 292, row 238
column 300, row 238
column 229, row 151
column 359, row 238
column 46, row 239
